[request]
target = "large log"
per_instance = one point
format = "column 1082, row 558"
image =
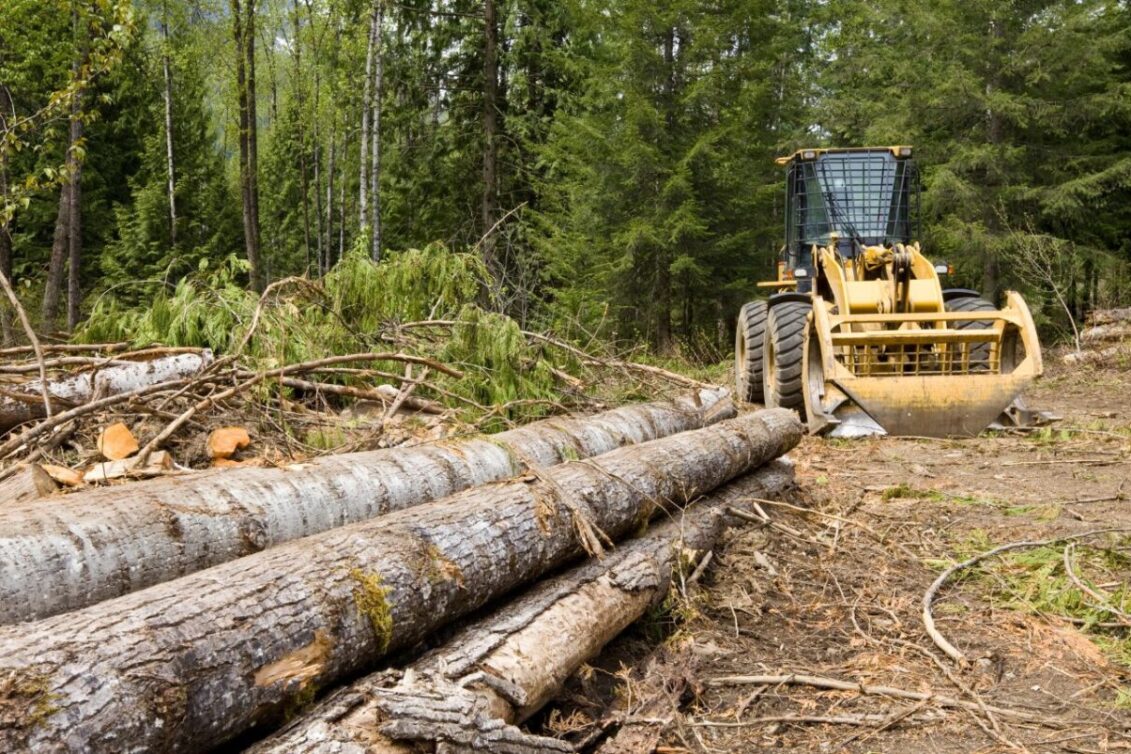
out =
column 96, row 545
column 186, row 665
column 507, row 665
column 25, row 402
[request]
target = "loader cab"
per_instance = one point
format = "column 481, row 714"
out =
column 863, row 197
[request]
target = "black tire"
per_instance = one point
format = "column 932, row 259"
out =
column 749, row 339
column 980, row 354
column 783, row 383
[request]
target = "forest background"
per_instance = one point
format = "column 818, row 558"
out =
column 603, row 170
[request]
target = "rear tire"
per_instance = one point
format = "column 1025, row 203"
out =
column 749, row 340
column 783, row 381
column 979, row 354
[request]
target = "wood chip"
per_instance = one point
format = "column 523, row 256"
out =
column 117, row 442
column 224, row 442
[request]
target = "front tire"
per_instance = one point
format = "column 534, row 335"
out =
column 979, row 354
column 783, row 381
column 749, row 340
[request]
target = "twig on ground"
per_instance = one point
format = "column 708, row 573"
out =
column 929, row 596
column 871, row 690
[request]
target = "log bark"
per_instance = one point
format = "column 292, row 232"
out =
column 92, row 546
column 187, row 665
column 26, row 404
column 507, row 666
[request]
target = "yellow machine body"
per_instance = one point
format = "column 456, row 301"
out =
column 882, row 351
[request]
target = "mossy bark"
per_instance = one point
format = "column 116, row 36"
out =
column 513, row 661
column 96, row 545
column 174, row 667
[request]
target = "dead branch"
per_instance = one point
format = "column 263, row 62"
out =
column 31, row 336
column 798, row 679
column 929, row 596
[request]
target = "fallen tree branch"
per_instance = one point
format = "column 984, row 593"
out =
column 929, row 596
column 800, row 679
column 32, row 338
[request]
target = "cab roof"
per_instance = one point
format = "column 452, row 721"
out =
column 898, row 151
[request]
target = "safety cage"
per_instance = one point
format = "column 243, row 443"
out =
column 863, row 197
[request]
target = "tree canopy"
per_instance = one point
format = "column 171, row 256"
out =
column 611, row 164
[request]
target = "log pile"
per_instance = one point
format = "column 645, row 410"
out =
column 297, row 601
column 97, row 544
column 1105, row 339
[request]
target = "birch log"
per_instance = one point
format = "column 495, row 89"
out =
column 95, row 545
column 25, row 403
column 505, row 667
column 187, row 665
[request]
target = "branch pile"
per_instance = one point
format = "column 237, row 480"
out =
column 1105, row 340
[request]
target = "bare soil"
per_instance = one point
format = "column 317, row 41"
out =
column 836, row 591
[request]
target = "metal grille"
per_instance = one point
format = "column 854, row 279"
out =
column 920, row 359
column 864, row 198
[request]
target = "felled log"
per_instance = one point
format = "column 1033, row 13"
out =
column 186, row 665
column 504, row 668
column 95, row 545
column 1112, row 333
column 1109, row 316
column 26, row 482
column 1115, row 354
column 25, row 402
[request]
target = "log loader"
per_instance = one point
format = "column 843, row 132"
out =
column 859, row 334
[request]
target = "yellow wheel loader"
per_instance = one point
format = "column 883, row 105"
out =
column 860, row 336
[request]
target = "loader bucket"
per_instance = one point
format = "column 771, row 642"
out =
column 934, row 374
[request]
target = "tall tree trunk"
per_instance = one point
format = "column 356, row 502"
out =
column 170, row 165
column 74, row 175
column 74, row 216
column 243, row 33
column 366, row 108
column 194, row 662
column 300, row 128
column 253, row 146
column 6, row 334
column 330, row 201
column 375, row 138
column 490, row 130
column 663, row 282
column 168, row 528
column 57, row 265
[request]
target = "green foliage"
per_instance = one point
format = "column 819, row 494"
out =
column 346, row 312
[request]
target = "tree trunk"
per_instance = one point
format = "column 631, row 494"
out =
column 74, row 217
column 187, row 665
column 57, row 266
column 330, row 203
column 6, row 334
column 259, row 277
column 170, row 169
column 366, row 108
column 113, row 543
column 300, row 127
column 111, row 380
column 375, row 139
column 490, row 130
column 243, row 33
column 508, row 665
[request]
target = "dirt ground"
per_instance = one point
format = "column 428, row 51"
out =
column 834, row 589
